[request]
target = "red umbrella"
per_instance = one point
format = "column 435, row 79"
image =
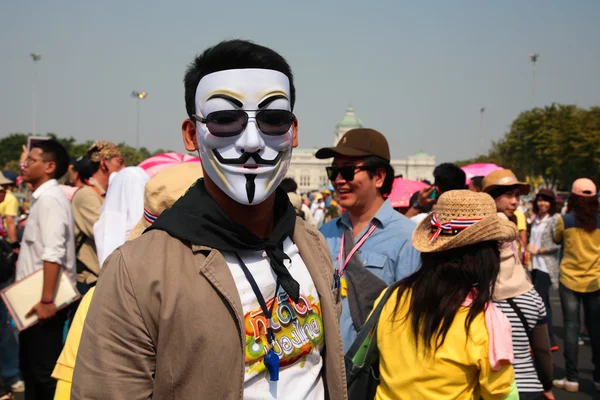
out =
column 161, row 161
column 402, row 190
column 481, row 169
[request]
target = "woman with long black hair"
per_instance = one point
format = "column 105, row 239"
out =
column 439, row 335
column 579, row 230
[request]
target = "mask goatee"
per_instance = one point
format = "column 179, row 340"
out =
column 250, row 187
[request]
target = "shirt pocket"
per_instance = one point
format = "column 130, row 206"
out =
column 374, row 261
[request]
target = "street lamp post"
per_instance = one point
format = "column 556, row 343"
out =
column 36, row 57
column 533, row 58
column 481, row 135
column 139, row 96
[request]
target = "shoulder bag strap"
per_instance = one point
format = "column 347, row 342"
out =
column 370, row 325
column 521, row 316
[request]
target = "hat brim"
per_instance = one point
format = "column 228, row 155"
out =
column 138, row 229
column 331, row 152
column 491, row 228
column 523, row 187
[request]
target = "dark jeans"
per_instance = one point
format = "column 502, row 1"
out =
column 571, row 305
column 9, row 345
column 40, row 347
column 531, row 396
column 542, row 284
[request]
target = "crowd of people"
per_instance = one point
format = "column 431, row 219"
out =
column 221, row 281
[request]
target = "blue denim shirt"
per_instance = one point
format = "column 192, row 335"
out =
column 388, row 253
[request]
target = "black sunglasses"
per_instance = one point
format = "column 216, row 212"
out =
column 228, row 123
column 347, row 171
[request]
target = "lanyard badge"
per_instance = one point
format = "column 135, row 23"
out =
column 343, row 261
column 271, row 359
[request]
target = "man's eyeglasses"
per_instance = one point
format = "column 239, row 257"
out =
column 229, row 123
column 30, row 160
column 347, row 171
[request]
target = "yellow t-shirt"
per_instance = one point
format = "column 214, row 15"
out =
column 521, row 221
column 63, row 371
column 460, row 369
column 580, row 264
column 10, row 205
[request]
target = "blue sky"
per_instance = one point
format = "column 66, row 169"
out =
column 417, row 71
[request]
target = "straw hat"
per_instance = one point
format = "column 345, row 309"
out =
column 504, row 178
column 163, row 190
column 462, row 218
column 103, row 149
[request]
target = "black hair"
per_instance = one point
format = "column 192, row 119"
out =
column 551, row 200
column 478, row 182
column 54, row 151
column 83, row 166
column 439, row 287
column 500, row 190
column 373, row 163
column 233, row 54
column 448, row 177
column 288, row 185
column 586, row 209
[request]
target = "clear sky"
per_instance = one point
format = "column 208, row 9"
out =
column 417, row 71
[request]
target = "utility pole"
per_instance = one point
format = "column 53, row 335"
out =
column 36, row 57
column 139, row 96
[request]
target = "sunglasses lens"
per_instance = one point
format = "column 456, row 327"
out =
column 347, row 173
column 275, row 122
column 226, row 123
column 331, row 173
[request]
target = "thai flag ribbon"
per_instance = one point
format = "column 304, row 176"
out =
column 455, row 224
column 149, row 217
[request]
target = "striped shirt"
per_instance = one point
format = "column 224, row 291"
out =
column 532, row 307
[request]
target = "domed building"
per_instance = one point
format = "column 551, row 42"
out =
column 309, row 172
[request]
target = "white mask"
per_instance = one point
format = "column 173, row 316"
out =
column 254, row 180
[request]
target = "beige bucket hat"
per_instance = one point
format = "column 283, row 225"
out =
column 462, row 218
column 163, row 190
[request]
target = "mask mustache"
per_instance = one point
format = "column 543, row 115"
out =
column 243, row 159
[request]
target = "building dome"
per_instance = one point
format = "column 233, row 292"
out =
column 349, row 121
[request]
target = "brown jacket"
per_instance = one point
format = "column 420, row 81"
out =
column 86, row 204
column 166, row 322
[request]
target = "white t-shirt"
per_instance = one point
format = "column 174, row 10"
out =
column 537, row 228
column 299, row 329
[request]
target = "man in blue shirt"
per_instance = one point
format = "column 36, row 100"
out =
column 371, row 242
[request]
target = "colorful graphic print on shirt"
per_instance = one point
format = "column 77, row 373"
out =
column 298, row 329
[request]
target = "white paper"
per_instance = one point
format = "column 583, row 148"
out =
column 21, row 296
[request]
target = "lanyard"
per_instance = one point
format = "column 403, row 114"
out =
column 271, row 359
column 343, row 262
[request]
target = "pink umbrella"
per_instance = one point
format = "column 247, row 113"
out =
column 161, row 161
column 481, row 169
column 402, row 190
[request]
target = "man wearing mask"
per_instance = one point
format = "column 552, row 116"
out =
column 371, row 242
column 105, row 159
column 226, row 295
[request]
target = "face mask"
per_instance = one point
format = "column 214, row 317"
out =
column 245, row 162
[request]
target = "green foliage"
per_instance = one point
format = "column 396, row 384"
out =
column 559, row 142
column 11, row 148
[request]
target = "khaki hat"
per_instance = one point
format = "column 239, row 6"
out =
column 503, row 178
column 4, row 180
column 584, row 187
column 462, row 218
column 361, row 142
column 103, row 149
column 163, row 190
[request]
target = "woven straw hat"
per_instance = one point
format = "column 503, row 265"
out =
column 163, row 190
column 462, row 218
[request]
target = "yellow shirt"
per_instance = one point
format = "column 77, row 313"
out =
column 63, row 371
column 580, row 265
column 10, row 205
column 460, row 369
column 521, row 221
